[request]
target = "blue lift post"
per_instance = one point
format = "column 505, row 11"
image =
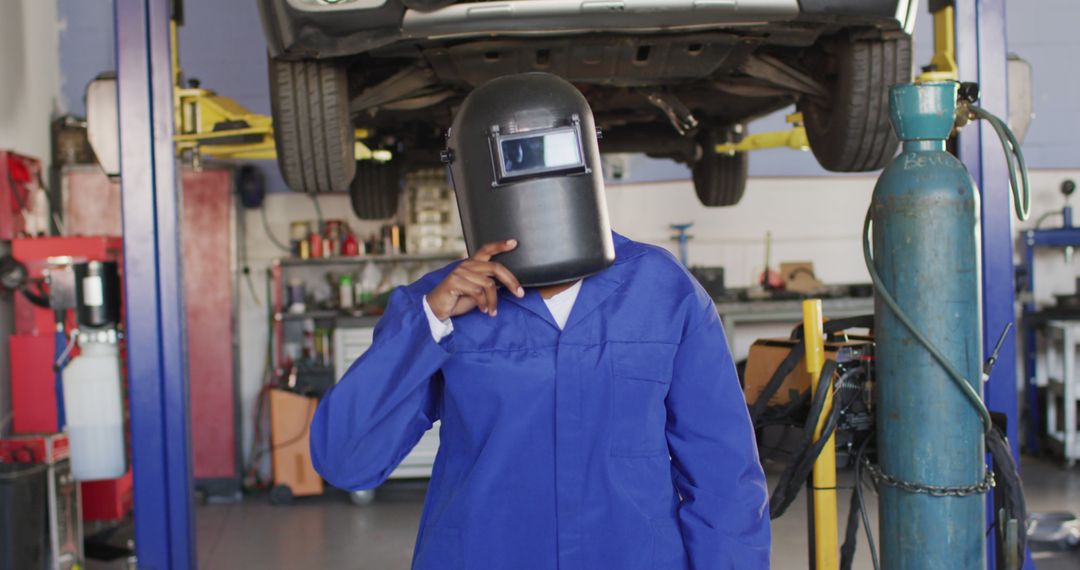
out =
column 155, row 327
column 981, row 57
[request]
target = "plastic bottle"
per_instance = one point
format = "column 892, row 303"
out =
column 370, row 278
column 349, row 247
column 399, row 277
column 93, row 404
column 345, row 291
column 358, row 291
column 315, row 241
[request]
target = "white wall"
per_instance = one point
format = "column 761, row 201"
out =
column 30, row 72
column 815, row 219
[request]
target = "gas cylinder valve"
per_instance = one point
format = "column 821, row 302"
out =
column 966, row 96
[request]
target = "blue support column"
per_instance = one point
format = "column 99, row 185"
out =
column 981, row 55
column 154, row 319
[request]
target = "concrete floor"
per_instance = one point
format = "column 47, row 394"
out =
column 330, row 532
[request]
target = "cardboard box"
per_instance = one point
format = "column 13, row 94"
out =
column 767, row 354
column 799, row 277
column 290, row 420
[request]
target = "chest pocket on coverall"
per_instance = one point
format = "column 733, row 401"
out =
column 641, row 375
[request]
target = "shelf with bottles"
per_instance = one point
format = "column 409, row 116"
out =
column 377, row 258
column 322, row 292
column 317, row 315
column 333, row 241
column 340, row 271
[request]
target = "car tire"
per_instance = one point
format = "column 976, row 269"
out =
column 719, row 179
column 376, row 189
column 852, row 133
column 313, row 132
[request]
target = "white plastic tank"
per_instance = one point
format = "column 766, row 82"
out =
column 94, row 406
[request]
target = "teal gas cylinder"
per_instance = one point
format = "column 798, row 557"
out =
column 925, row 214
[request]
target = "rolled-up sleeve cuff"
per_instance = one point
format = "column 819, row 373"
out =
column 440, row 329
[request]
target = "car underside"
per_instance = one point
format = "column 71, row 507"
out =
column 646, row 91
column 667, row 91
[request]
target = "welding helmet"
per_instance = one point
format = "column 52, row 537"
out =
column 525, row 165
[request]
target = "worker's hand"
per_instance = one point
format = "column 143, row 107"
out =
column 474, row 283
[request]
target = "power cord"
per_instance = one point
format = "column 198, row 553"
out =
column 795, row 474
column 886, row 297
column 256, row 452
column 862, row 503
column 1014, row 157
column 269, row 233
column 245, row 265
column 1046, row 216
column 318, row 212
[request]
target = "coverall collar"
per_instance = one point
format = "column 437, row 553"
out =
column 595, row 289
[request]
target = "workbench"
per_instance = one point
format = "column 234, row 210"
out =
column 732, row 313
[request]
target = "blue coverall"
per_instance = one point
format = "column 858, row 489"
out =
column 622, row 442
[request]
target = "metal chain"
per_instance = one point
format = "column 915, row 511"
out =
column 981, row 488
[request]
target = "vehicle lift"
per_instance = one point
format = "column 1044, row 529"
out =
column 164, row 531
column 215, row 125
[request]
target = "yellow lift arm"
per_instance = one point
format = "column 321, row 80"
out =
column 794, row 138
column 943, row 64
column 208, row 124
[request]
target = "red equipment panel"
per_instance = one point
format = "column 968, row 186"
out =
column 107, row 500
column 16, row 173
column 32, row 347
column 33, row 387
column 33, row 352
column 34, row 448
